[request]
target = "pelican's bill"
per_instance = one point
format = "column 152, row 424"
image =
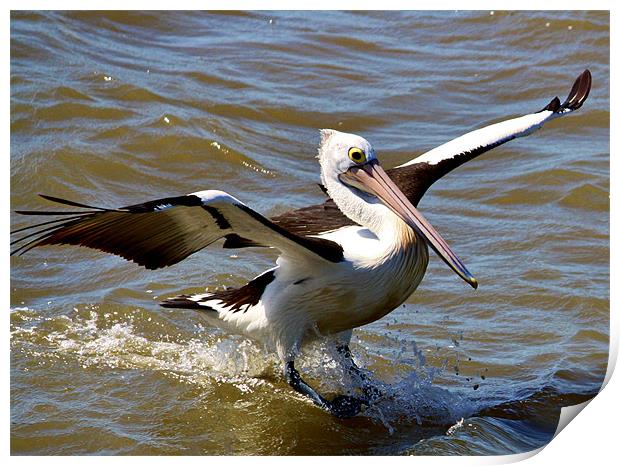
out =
column 372, row 179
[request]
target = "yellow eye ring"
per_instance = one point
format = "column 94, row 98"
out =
column 357, row 155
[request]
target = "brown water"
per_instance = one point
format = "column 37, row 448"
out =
column 119, row 108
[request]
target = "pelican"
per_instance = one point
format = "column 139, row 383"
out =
column 341, row 264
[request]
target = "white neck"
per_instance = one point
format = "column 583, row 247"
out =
column 369, row 212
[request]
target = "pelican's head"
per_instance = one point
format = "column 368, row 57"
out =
column 348, row 161
column 339, row 152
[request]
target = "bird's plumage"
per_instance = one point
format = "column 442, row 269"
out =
column 417, row 175
column 165, row 231
column 342, row 264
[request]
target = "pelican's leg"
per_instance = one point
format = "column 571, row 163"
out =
column 342, row 406
column 371, row 392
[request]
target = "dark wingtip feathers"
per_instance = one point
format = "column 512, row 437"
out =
column 576, row 97
column 59, row 200
column 553, row 106
column 579, row 92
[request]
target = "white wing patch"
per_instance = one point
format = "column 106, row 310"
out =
column 488, row 136
column 211, row 196
column 484, row 139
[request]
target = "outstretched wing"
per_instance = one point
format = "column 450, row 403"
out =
column 165, row 231
column 142, row 234
column 416, row 176
column 424, row 170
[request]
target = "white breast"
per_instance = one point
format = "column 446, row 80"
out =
column 382, row 272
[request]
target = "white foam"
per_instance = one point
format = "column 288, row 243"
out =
column 98, row 339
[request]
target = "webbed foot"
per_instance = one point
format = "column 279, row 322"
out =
column 372, row 393
column 342, row 406
column 345, row 406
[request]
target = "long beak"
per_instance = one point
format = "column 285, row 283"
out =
column 372, row 179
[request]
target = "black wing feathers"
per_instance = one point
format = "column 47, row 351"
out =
column 576, row 97
column 144, row 233
column 159, row 233
column 579, row 92
column 235, row 299
column 415, row 179
column 313, row 220
column 154, row 236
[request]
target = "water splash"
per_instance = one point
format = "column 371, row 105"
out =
column 114, row 341
column 124, row 340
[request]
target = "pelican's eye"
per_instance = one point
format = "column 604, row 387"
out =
column 357, row 155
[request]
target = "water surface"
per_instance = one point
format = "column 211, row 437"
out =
column 118, row 108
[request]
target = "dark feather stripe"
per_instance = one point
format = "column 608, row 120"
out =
column 323, row 188
column 415, row 179
column 328, row 250
column 64, row 219
column 235, row 299
column 241, row 299
column 144, row 233
column 152, row 240
column 313, row 220
column 58, row 200
column 234, row 241
column 54, row 212
column 218, row 217
column 183, row 302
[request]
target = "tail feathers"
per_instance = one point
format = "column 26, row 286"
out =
column 229, row 300
column 186, row 301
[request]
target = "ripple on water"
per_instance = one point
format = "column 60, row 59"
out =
column 113, row 108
